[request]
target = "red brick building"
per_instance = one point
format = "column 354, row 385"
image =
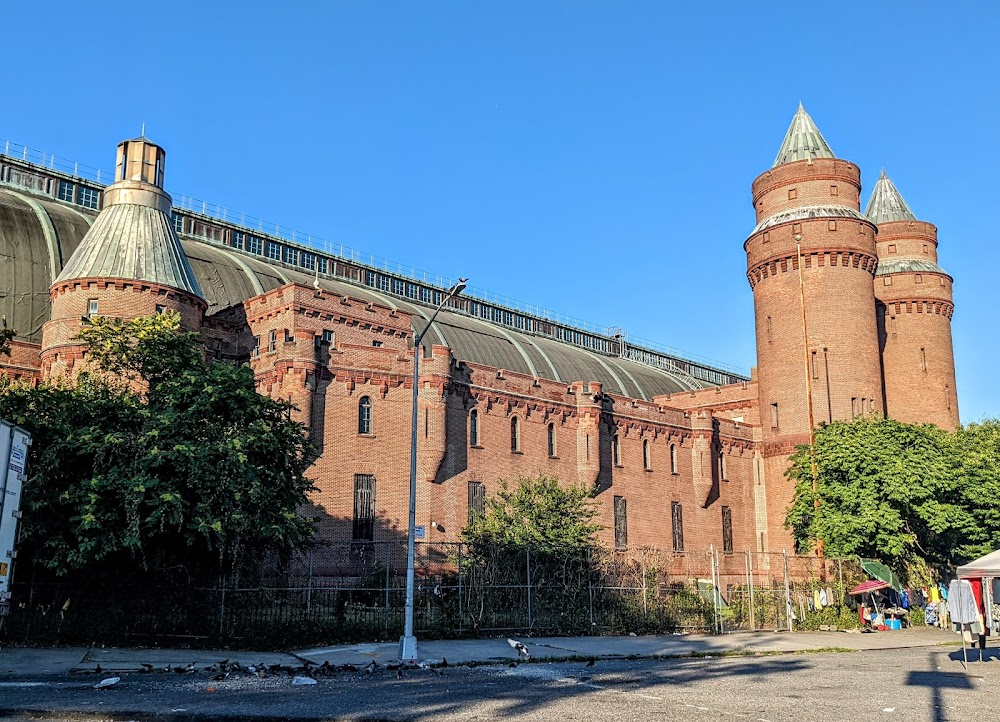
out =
column 852, row 312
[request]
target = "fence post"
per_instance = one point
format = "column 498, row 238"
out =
column 590, row 590
column 645, row 611
column 388, row 567
column 460, row 612
column 750, row 588
column 527, row 553
column 222, row 606
column 309, row 585
column 788, row 593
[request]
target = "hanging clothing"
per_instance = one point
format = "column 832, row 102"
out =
column 829, row 597
column 933, row 596
column 904, row 600
column 961, row 603
column 817, row 600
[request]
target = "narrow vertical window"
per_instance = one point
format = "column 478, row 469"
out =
column 427, row 423
column 473, row 428
column 552, row 439
column 477, row 499
column 363, row 528
column 769, row 329
column 815, row 367
column 673, row 458
column 92, row 307
column 621, row 523
column 677, row 525
column 646, row 461
column 272, row 341
column 727, row 530
column 722, row 463
column 365, row 415
column 616, row 451
column 515, row 434
column 774, row 415
column 854, row 407
column 923, row 359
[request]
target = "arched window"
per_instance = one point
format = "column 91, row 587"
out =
column 647, row 462
column 552, row 439
column 365, row 415
column 515, row 435
column 722, row 463
column 616, row 451
column 673, row 458
column 473, row 428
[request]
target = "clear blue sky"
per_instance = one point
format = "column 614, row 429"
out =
column 594, row 158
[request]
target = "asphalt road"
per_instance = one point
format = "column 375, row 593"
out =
column 907, row 684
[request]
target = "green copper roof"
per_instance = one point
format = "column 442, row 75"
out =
column 886, row 204
column 907, row 265
column 803, row 140
column 132, row 241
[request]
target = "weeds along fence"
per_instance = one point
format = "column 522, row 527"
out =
column 356, row 594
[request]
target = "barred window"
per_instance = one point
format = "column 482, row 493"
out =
column 291, row 255
column 66, row 191
column 425, row 295
column 477, row 499
column 411, row 290
column 273, row 251
column 383, row 283
column 677, row 525
column 365, row 415
column 727, row 530
column 255, row 245
column 307, row 260
column 397, row 287
column 621, row 523
column 364, row 508
column 473, row 428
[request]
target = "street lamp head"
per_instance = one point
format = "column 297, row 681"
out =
column 457, row 288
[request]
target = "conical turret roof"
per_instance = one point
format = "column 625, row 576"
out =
column 803, row 140
column 135, row 242
column 886, row 204
column 133, row 237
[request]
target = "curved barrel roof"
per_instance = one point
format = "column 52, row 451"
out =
column 37, row 236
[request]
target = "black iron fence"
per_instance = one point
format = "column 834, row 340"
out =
column 357, row 594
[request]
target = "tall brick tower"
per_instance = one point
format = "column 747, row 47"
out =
column 130, row 263
column 914, row 314
column 811, row 262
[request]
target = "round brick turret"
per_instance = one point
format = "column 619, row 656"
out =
column 810, row 210
column 130, row 263
column 915, row 307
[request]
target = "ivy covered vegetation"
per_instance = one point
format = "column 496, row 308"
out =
column 152, row 460
column 909, row 495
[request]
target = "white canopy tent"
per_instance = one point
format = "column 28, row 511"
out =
column 987, row 566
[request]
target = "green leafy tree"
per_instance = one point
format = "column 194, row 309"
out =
column 977, row 453
column 886, row 489
column 538, row 513
column 155, row 460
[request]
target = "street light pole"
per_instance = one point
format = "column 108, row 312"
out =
column 408, row 643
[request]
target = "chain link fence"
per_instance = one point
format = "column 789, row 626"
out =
column 357, row 593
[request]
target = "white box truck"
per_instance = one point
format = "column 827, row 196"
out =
column 14, row 443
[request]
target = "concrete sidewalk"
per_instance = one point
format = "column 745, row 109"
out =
column 27, row 662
